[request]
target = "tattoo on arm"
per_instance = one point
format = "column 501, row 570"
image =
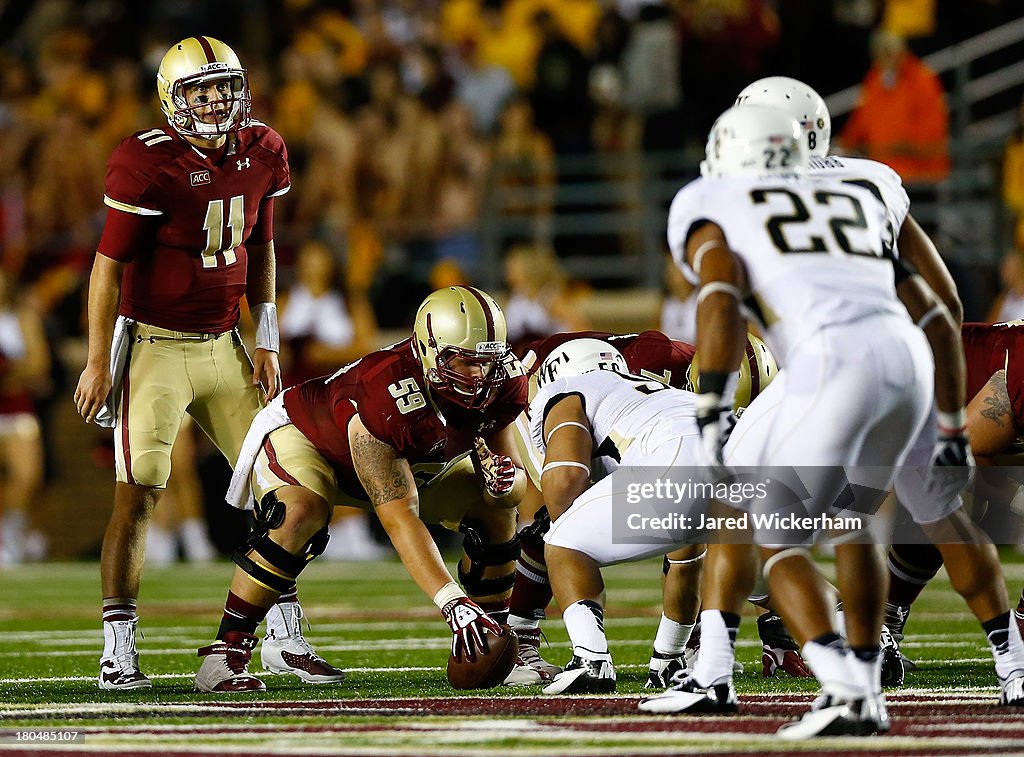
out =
column 997, row 403
column 381, row 472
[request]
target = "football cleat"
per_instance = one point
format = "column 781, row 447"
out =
column 832, row 715
column 778, row 649
column 530, row 669
column 1018, row 615
column 286, row 651
column 663, row 669
column 690, row 697
column 893, row 669
column 1011, row 692
column 584, row 676
column 225, row 667
column 529, row 657
column 119, row 665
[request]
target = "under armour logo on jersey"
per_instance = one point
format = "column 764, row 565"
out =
column 242, row 163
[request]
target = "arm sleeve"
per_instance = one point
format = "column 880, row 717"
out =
column 130, row 182
column 263, row 229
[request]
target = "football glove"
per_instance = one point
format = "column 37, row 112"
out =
column 499, row 471
column 952, row 465
column 715, row 420
column 468, row 622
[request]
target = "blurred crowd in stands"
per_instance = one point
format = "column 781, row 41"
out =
column 402, row 119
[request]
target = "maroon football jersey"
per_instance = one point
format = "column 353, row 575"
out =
column 649, row 353
column 387, row 387
column 993, row 347
column 191, row 276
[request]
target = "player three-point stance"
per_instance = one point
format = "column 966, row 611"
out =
column 589, row 422
column 420, row 432
column 651, row 355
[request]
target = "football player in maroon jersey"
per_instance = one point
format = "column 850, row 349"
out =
column 995, row 416
column 189, row 231
column 409, row 432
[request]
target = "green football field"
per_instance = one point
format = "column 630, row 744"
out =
column 370, row 619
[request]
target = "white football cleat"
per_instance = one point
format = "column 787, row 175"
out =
column 584, row 676
column 119, row 665
column 286, row 651
column 1011, row 692
column 225, row 667
column 690, row 697
column 531, row 669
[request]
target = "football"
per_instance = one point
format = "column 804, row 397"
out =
column 487, row 670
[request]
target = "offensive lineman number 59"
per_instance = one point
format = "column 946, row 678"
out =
column 407, row 394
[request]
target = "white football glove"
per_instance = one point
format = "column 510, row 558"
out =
column 715, row 420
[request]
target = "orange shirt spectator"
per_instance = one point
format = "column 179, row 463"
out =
column 1013, row 178
column 901, row 119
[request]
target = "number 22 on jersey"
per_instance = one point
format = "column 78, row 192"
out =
column 214, row 226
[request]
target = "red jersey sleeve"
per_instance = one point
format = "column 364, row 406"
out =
column 274, row 143
column 125, row 234
column 131, row 180
column 263, row 230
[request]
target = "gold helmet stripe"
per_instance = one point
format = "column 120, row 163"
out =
column 204, row 43
column 487, row 312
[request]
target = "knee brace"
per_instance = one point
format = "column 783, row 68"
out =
column 483, row 554
column 271, row 565
column 269, row 512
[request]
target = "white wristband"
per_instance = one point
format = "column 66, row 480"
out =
column 447, row 593
column 952, row 422
column 267, row 335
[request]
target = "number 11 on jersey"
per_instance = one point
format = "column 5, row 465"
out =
column 214, row 226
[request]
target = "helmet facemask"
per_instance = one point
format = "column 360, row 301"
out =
column 233, row 110
column 470, row 392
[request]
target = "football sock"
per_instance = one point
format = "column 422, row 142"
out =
column 911, row 567
column 240, row 615
column 1005, row 640
column 717, row 647
column 120, row 608
column 518, row 622
column 826, row 657
column 865, row 665
column 531, row 592
column 290, row 595
column 672, row 637
column 497, row 610
column 584, row 620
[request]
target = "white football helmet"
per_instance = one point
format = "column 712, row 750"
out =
column 753, row 140
column 800, row 101
column 196, row 61
column 579, row 356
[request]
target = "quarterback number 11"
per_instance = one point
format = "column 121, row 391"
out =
column 214, row 226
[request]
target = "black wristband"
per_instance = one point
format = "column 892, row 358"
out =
column 713, row 382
